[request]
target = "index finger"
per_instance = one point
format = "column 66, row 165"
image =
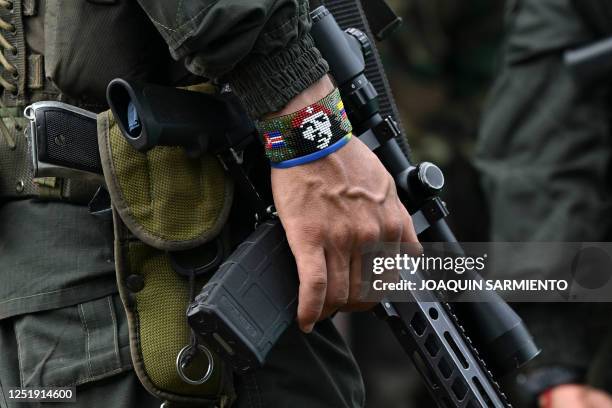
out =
column 312, row 273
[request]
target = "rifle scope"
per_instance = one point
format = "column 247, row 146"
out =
column 496, row 330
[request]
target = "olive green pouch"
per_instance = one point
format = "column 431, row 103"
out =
column 163, row 201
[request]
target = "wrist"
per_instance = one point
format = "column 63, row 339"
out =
column 315, row 131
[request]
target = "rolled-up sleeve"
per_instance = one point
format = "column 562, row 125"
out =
column 261, row 47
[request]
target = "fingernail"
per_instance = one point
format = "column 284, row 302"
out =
column 308, row 328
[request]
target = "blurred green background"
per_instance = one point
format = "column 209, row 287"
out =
column 440, row 64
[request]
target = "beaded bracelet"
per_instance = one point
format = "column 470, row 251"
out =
column 308, row 134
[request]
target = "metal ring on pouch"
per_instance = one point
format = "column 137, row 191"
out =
column 209, row 371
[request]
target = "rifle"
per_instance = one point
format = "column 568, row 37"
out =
column 252, row 298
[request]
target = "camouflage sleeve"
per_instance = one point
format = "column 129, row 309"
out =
column 261, row 47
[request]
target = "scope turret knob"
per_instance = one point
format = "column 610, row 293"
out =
column 362, row 39
column 428, row 178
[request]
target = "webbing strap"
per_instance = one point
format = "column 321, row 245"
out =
column 70, row 190
column 103, row 355
column 19, row 57
column 23, row 79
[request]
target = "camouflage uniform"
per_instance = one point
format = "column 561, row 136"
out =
column 544, row 154
column 61, row 321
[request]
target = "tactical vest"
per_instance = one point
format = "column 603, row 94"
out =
column 68, row 51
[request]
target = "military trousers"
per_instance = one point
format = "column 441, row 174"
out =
column 86, row 346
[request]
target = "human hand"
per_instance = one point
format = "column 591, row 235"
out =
column 330, row 208
column 575, row 396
